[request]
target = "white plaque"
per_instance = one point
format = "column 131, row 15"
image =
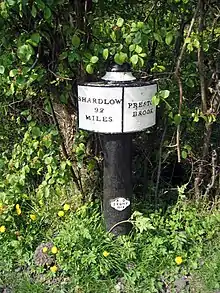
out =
column 100, row 109
column 120, row 203
column 116, row 109
column 139, row 112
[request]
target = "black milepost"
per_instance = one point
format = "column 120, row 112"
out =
column 115, row 107
column 117, row 181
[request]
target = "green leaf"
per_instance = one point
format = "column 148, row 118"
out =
column 2, row 69
column 177, row 119
column 132, row 47
column 25, row 52
column 128, row 40
column 29, row 118
column 48, row 160
column 141, row 61
column 169, row 38
column 138, row 38
column 184, row 154
column 40, row 4
column 36, row 131
column 196, row 43
column 47, row 13
column 13, row 72
column 120, row 22
column 138, row 49
column 89, row 68
column 94, row 59
column 140, row 24
column 188, row 147
column 34, row 11
column 143, row 55
column 120, row 58
column 155, row 100
column 117, row 59
column 190, row 83
column 63, row 55
column 47, row 191
column 73, row 57
column 113, row 36
column 165, row 94
column 195, row 117
column 2, row 163
column 35, row 38
column 134, row 59
column 158, row 37
column 105, row 54
column 11, row 2
column 25, row 112
column 12, row 89
column 75, row 41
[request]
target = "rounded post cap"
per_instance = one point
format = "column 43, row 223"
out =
column 113, row 67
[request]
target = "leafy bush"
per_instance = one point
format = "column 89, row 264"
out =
column 31, row 186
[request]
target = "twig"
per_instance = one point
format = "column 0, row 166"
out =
column 185, row 42
column 178, row 126
column 171, row 146
column 201, row 60
column 214, row 175
column 178, row 77
column 146, row 18
column 159, row 163
column 36, row 60
column 208, row 125
column 119, row 223
column 58, row 76
column 198, row 179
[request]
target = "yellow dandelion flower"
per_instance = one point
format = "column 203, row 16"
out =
column 45, row 249
column 33, row 217
column 178, row 260
column 105, row 253
column 66, row 207
column 53, row 269
column 54, row 250
column 61, row 213
column 2, row 229
column 18, row 209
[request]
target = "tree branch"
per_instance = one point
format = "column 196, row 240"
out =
column 178, row 77
column 201, row 60
column 185, row 43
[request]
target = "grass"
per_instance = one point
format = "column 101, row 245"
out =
column 186, row 229
column 207, row 278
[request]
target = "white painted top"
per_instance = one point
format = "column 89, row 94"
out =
column 118, row 76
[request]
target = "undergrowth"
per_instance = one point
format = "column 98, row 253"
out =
column 162, row 249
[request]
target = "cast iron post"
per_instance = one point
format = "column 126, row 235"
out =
column 116, row 107
column 117, row 181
